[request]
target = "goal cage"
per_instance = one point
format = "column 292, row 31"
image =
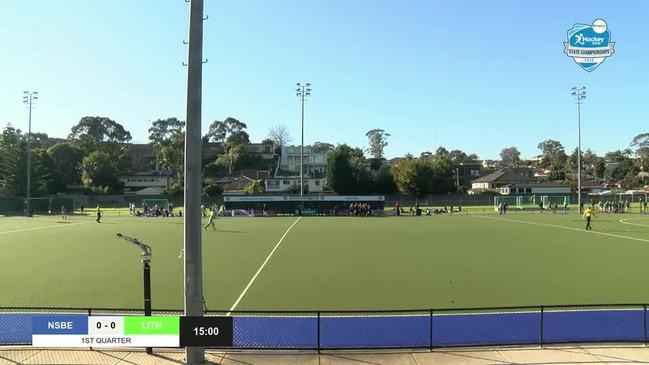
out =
column 513, row 202
column 561, row 201
column 532, row 202
column 151, row 203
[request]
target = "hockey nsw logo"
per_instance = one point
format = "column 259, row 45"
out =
column 589, row 44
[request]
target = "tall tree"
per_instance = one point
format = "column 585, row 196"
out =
column 39, row 140
column 413, row 176
column 641, row 143
column 641, row 140
column 14, row 168
column 384, row 181
column 550, row 147
column 458, row 156
column 229, row 158
column 280, row 135
column 42, row 171
column 442, row 170
column 442, row 152
column 600, row 167
column 237, row 138
column 554, row 155
column 322, row 147
column 588, row 161
column 8, row 139
column 378, row 140
column 219, row 131
column 643, row 158
column 66, row 165
column 167, row 130
column 168, row 139
column 340, row 174
column 510, row 156
column 170, row 157
column 93, row 132
column 616, row 156
column 13, row 165
column 100, row 170
column 570, row 166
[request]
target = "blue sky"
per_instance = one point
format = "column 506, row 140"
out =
column 473, row 75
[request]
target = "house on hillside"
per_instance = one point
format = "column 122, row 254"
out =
column 490, row 164
column 466, row 172
column 503, row 177
column 211, row 150
column 289, row 182
column 143, row 155
column 263, row 150
column 233, row 186
column 315, row 163
column 252, row 174
column 535, row 188
column 152, row 182
column 519, row 181
column 611, row 165
column 541, row 173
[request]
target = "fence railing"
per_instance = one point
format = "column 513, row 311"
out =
column 394, row 329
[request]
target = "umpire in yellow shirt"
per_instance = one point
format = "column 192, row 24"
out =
column 588, row 213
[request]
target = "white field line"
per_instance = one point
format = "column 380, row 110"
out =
column 564, row 227
column 60, row 225
column 245, row 290
column 624, row 221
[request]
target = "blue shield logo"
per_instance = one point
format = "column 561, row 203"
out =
column 589, row 45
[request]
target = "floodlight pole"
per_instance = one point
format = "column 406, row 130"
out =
column 29, row 97
column 146, row 269
column 579, row 94
column 303, row 90
column 193, row 269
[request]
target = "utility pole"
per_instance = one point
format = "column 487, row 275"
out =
column 303, row 90
column 29, row 97
column 580, row 95
column 193, row 246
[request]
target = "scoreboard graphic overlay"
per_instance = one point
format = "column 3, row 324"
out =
column 77, row 330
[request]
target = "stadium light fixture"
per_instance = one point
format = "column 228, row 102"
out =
column 302, row 91
column 29, row 98
column 145, row 254
column 579, row 94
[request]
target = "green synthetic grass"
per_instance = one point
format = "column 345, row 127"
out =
column 333, row 263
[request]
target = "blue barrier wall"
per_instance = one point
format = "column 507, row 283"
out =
column 15, row 329
column 486, row 329
column 275, row 332
column 407, row 331
column 375, row 332
column 594, row 325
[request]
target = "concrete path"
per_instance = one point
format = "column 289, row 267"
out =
column 595, row 354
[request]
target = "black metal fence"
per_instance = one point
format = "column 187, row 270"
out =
column 393, row 329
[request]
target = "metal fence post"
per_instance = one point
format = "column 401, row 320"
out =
column 318, row 332
column 430, row 331
column 541, row 329
column 644, row 324
column 89, row 314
